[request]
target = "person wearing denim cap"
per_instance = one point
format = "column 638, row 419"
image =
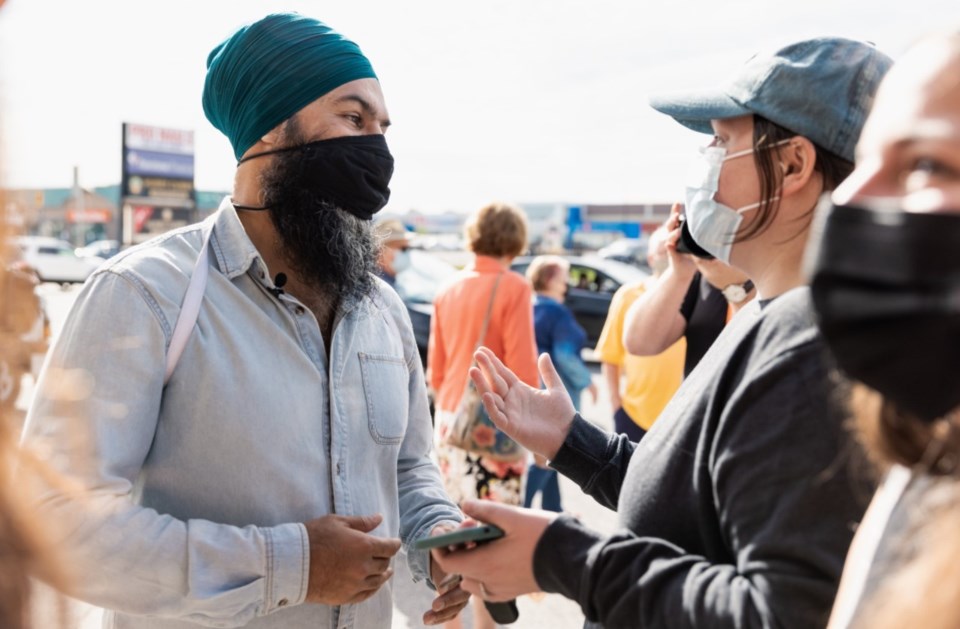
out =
column 258, row 456
column 737, row 508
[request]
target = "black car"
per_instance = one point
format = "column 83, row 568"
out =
column 418, row 285
column 593, row 281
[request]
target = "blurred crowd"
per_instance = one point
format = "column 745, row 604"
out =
column 255, row 441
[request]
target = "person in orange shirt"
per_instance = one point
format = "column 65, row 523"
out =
column 496, row 234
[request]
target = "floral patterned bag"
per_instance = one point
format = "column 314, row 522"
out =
column 470, row 428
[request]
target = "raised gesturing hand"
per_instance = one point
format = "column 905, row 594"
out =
column 537, row 418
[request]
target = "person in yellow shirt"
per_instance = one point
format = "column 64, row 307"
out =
column 650, row 381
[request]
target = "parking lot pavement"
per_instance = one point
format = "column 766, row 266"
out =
column 411, row 600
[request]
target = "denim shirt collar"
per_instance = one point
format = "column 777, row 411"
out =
column 232, row 247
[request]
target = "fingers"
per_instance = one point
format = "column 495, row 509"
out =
column 497, row 367
column 478, row 589
column 363, row 523
column 384, row 547
column 494, row 379
column 370, row 586
column 376, row 580
column 488, row 511
column 377, row 565
column 447, row 606
column 549, row 373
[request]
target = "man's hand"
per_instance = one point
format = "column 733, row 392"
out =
column 451, row 598
column 504, row 566
column 539, row 419
column 347, row 565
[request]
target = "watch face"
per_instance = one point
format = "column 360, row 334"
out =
column 735, row 293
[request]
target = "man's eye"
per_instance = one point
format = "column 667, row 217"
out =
column 355, row 119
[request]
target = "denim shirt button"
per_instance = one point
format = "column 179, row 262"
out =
column 300, row 310
column 339, row 470
column 282, row 602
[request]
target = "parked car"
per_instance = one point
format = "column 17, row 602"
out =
column 418, row 285
column 24, row 330
column 105, row 249
column 629, row 250
column 593, row 281
column 54, row 260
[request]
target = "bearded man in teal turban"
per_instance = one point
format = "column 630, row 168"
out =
column 257, row 442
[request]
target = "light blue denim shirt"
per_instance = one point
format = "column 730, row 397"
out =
column 192, row 495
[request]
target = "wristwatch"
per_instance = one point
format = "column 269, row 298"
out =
column 736, row 293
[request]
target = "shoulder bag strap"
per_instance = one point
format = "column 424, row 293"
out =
column 191, row 305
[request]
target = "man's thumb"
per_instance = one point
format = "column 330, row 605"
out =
column 486, row 511
column 363, row 523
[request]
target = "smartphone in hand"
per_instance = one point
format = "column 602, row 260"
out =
column 460, row 537
column 503, row 613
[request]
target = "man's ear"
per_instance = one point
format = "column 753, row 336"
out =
column 797, row 161
column 273, row 137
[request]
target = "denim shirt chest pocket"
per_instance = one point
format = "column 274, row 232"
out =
column 386, row 382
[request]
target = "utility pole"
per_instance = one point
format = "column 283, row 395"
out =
column 78, row 208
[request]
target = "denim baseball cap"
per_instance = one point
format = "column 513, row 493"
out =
column 820, row 88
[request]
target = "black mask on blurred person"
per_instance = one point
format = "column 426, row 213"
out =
column 351, row 172
column 332, row 250
column 886, row 289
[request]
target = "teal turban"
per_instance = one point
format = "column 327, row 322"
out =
column 271, row 69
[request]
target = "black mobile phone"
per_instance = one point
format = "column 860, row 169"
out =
column 504, row 613
column 686, row 243
column 460, row 537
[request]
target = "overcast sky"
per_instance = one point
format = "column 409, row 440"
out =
column 520, row 100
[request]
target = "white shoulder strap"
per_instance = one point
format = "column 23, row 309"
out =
column 191, row 305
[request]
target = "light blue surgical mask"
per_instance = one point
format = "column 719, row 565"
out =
column 713, row 225
column 401, row 261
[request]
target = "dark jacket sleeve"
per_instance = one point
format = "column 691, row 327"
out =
column 595, row 460
column 785, row 504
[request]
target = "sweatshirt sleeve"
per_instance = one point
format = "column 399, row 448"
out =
column 787, row 506
column 595, row 460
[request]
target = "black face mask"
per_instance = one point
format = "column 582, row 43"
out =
column 886, row 289
column 351, row 172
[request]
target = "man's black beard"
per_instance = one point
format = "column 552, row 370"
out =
column 331, row 250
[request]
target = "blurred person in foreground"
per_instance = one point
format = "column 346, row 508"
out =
column 495, row 234
column 886, row 281
column 394, row 256
column 737, row 508
column 263, row 477
column 25, row 550
column 559, row 335
column 640, row 386
column 692, row 299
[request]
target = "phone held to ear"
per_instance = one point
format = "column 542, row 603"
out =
column 503, row 613
column 686, row 243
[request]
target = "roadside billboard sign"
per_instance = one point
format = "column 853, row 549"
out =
column 157, row 181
